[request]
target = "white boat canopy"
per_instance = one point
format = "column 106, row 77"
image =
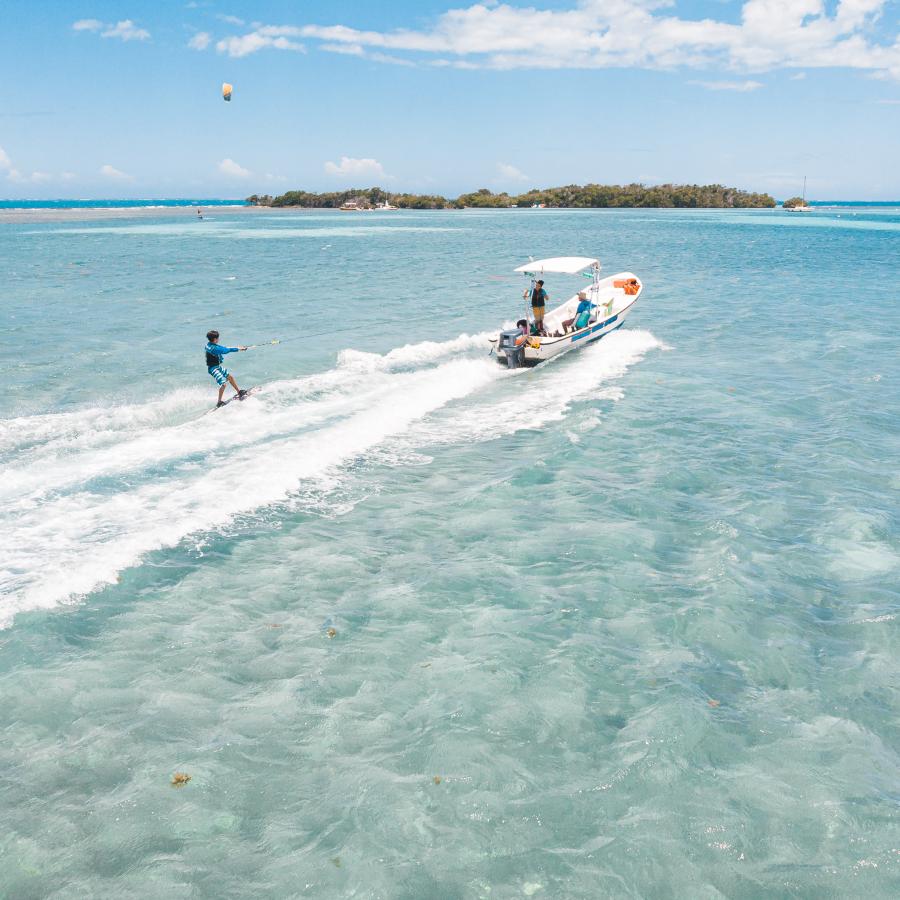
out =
column 563, row 265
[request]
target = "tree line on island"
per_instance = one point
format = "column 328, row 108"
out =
column 588, row 196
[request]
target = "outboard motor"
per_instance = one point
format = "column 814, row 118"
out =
column 515, row 356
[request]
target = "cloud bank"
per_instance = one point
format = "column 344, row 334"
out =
column 272, row 36
column 771, row 34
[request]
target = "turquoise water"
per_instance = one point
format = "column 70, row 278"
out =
column 115, row 204
column 418, row 627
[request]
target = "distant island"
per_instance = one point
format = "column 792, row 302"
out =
column 573, row 196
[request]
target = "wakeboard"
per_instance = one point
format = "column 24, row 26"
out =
column 234, row 397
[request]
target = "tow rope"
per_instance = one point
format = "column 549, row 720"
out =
column 298, row 337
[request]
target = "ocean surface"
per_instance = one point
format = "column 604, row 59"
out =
column 624, row 625
column 114, row 204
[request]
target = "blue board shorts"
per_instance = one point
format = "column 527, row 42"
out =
column 220, row 373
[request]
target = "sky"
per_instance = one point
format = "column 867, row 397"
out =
column 123, row 99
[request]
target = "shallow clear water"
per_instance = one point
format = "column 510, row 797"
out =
column 622, row 625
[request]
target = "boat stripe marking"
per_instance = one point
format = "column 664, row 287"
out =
column 578, row 337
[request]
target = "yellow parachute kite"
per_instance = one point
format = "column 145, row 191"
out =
column 226, row 92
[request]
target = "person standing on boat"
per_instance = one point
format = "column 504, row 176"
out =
column 539, row 298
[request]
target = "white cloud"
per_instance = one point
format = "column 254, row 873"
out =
column 888, row 102
column 230, row 168
column 770, row 34
column 68, row 176
column 390, row 59
column 741, row 86
column 231, row 20
column 112, row 172
column 798, row 76
column 356, row 168
column 346, row 49
column 125, row 30
column 200, row 41
column 14, row 175
column 511, row 173
column 34, row 178
column 276, row 36
column 357, row 50
column 87, row 25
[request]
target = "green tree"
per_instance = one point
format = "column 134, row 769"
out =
column 593, row 196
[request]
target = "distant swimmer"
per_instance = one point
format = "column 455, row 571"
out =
column 200, row 214
column 214, row 354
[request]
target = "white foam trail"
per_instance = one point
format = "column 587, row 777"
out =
column 97, row 424
column 92, row 493
column 56, row 451
column 539, row 396
column 54, row 545
column 411, row 354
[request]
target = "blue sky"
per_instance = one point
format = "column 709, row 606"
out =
column 102, row 99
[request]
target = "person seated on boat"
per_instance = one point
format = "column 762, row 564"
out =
column 522, row 325
column 539, row 298
column 582, row 314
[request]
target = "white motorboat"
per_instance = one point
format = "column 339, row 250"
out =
column 611, row 299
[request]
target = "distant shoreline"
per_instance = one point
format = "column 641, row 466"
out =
column 570, row 196
column 106, row 205
column 38, row 215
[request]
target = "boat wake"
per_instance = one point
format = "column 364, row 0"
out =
column 89, row 494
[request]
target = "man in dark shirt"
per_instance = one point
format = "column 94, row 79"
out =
column 539, row 300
